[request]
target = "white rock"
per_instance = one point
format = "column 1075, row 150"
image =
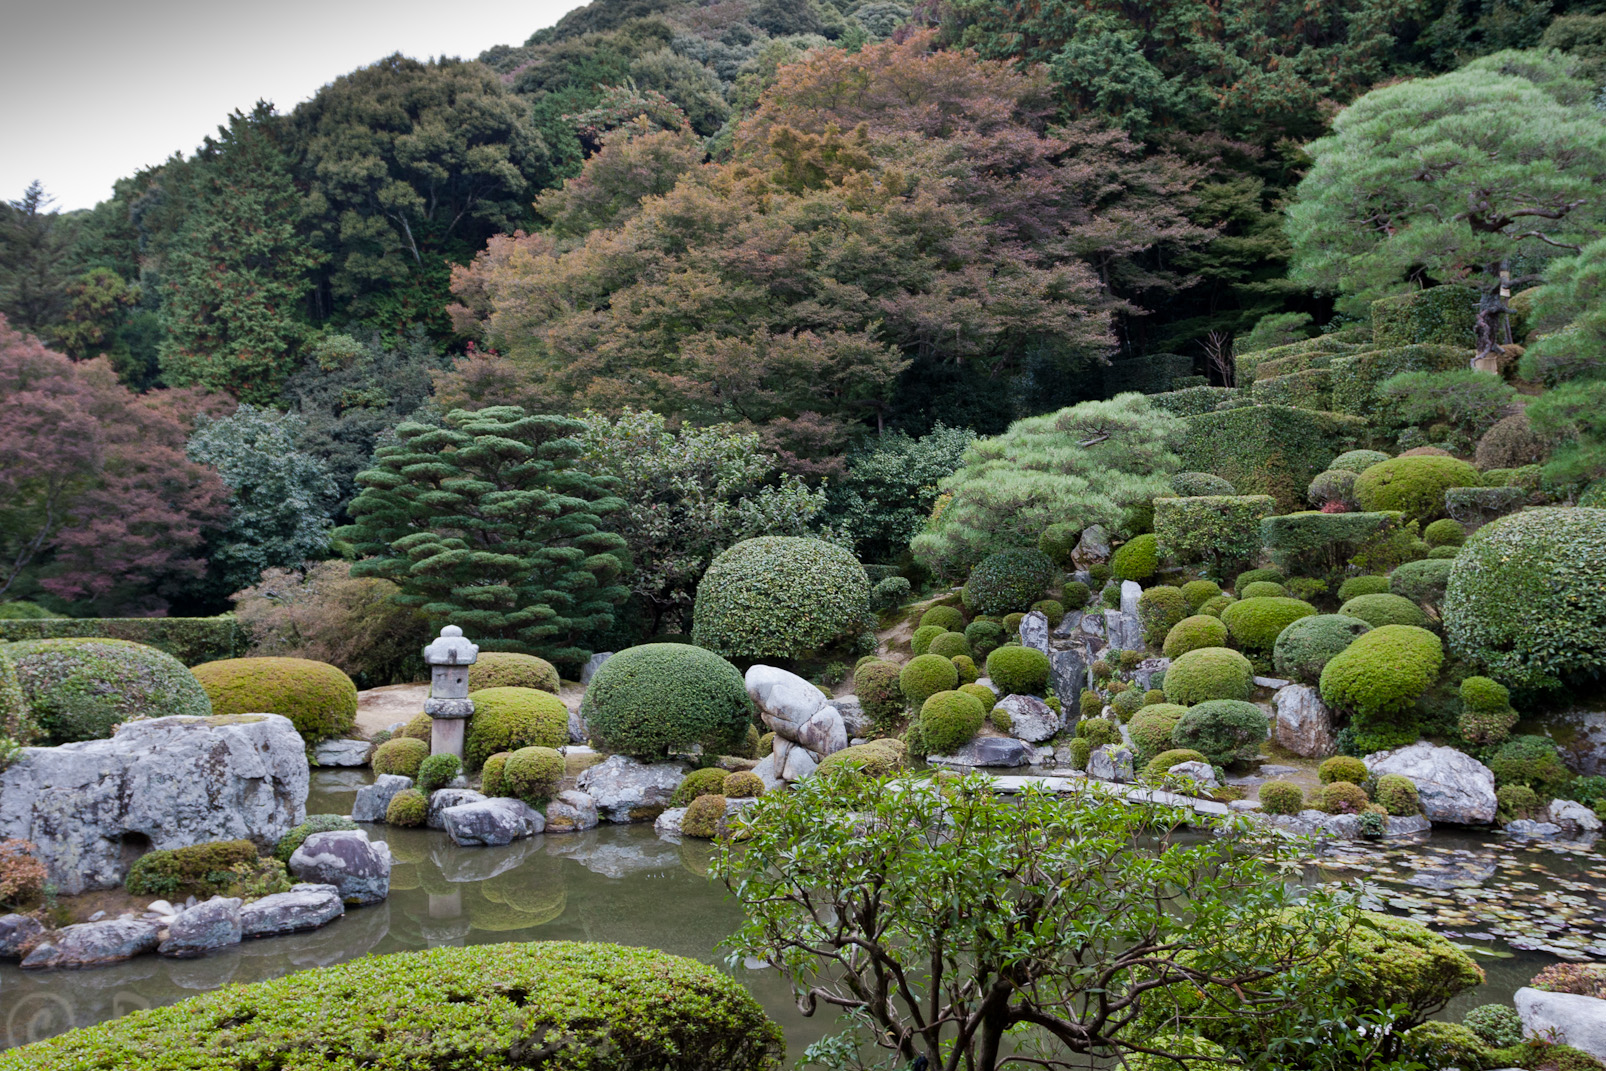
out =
column 1131, row 592
column 1034, row 630
column 784, row 698
column 1574, row 816
column 163, row 783
column 571, row 811
column 342, row 753
column 94, row 944
column 1200, row 773
column 494, row 821
column 1303, row 724
column 1030, row 719
column 304, row 907
column 443, row 799
column 1112, row 762
column 1565, row 1018
column 668, row 823
column 799, row 764
column 348, row 860
column 824, row 733
column 766, row 773
column 628, row 791
column 1453, row 787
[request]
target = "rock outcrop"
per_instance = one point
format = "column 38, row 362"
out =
column 807, row 726
column 490, row 822
column 1454, row 787
column 629, row 791
column 1564, row 1018
column 304, row 907
column 1303, row 724
column 571, row 812
column 204, row 928
column 358, row 868
column 94, row 944
column 94, row 807
column 1030, row 719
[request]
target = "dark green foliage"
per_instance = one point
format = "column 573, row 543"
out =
column 780, row 596
column 1127, row 703
column 486, row 521
column 886, row 496
column 1159, row 608
column 949, row 645
column 1322, row 543
column 438, row 771
column 1439, row 315
column 1531, row 761
column 1307, row 389
column 1414, row 486
column 889, row 593
column 948, row 617
column 948, row 720
column 1191, row 401
column 1098, row 731
column 1209, row 673
column 1200, row 485
column 1397, row 795
column 1008, row 581
column 1357, row 586
column 1498, row 1025
column 1018, row 670
column 1224, row 529
column 1516, row 801
column 1304, row 648
column 407, row 809
column 191, row 640
column 1358, row 461
column 1334, row 486
column 1075, row 595
column 1525, row 602
column 1358, row 379
column 1486, row 714
column 983, row 636
column 1081, row 750
column 1153, row 373
column 1136, row 559
column 401, row 755
column 1388, row 609
column 1226, row 731
column 79, row 689
column 315, row 823
column 1268, row 449
column 1422, row 582
column 660, row 697
column 532, row 774
column 1052, row 609
column 321, row 700
column 201, row 870
column 1255, row 623
column 1281, row 797
column 1058, row 541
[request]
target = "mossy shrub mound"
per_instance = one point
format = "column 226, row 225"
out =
column 1192, row 633
column 880, row 695
column 949, row 720
column 200, row 870
column 780, row 597
column 485, row 1006
column 1137, row 558
column 1384, row 609
column 407, row 809
column 660, row 697
column 1018, row 670
column 948, row 618
column 1209, row 673
column 1008, row 581
column 1304, row 648
column 317, row 697
column 874, row 758
column 505, row 669
column 704, row 816
column 1369, row 584
column 1414, row 486
column 709, row 781
column 506, row 719
column 950, row 645
column 1160, row 608
column 1151, row 727
column 1383, row 672
column 80, row 689
column 1281, row 797
column 926, row 675
column 1256, row 623
column 401, row 755
column 1226, row 731
column 532, row 774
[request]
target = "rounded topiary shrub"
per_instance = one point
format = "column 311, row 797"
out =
column 419, row 727
column 1127, row 703
column 505, row 669
column 1074, row 594
column 1398, row 796
column 1058, row 541
column 1334, row 485
column 506, row 719
column 743, row 785
column 1008, row 581
column 80, row 689
column 968, row 673
column 926, row 675
column 984, row 695
column 1525, row 599
column 948, row 617
column 1227, row 731
column 1209, row 673
column 408, row 809
column 492, row 783
column 1356, row 586
column 780, row 597
column 709, row 781
column 880, row 695
column 1200, row 485
column 317, row 697
column 1150, row 728
column 1199, row 592
column 1444, row 532
column 1159, row 608
column 1343, row 797
column 315, row 823
column 1018, row 670
column 1256, row 576
column 704, row 817
column 400, row 755
column 1486, row 712
column 1137, row 558
column 1422, row 582
column 1156, row 768
column 875, row 758
column 660, row 697
column 1281, row 797
column 438, row 771
column 1098, row 731
column 1358, row 461
column 1263, row 589
column 1304, row 648
column 920, row 639
column 949, row 720
column 950, row 645
column 1384, row 671
column 1255, row 624
column 889, row 593
column 984, row 636
column 1386, row 609
column 1413, row 486
column 573, row 1001
column 1193, row 633
column 1533, row 762
column 200, row 870
column 532, row 774
column 1052, row 609
column 1341, row 768
column 1214, row 606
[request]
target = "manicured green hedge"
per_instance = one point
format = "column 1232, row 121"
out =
column 1268, row 449
column 1225, row 731
column 505, row 669
column 1219, row 528
column 780, row 597
column 200, row 870
column 582, row 1007
column 1195, row 400
column 1384, row 609
column 1304, row 648
column 1383, row 672
column 1414, row 486
column 1309, row 389
column 191, row 640
column 650, row 700
column 1441, row 315
column 80, row 689
column 1249, row 365
column 1256, row 623
column 1312, row 542
column 317, row 697
column 1357, row 377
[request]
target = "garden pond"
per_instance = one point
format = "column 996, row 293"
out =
column 1516, row 906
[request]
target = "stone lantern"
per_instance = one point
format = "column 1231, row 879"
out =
column 449, row 657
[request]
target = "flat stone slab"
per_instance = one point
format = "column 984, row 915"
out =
column 342, row 753
column 304, row 907
column 1014, row 783
column 94, row 944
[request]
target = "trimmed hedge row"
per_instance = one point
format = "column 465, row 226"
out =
column 1309, row 389
column 1224, row 528
column 1357, row 377
column 1192, row 401
column 191, row 640
column 1440, row 315
column 1268, row 449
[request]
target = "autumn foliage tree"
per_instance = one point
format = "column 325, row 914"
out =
column 98, row 504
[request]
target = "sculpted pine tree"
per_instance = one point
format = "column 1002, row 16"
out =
column 486, row 522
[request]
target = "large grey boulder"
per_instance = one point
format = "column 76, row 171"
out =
column 358, row 868
column 571, row 812
column 16, row 932
column 443, row 799
column 304, row 907
column 593, row 664
column 1030, row 719
column 492, row 822
column 988, row 751
column 94, row 944
column 629, row 791
column 164, row 783
column 1112, row 762
column 797, row 711
column 1565, row 1018
column 1303, row 724
column 795, row 762
column 203, row 928
column 342, row 753
column 1093, row 547
column 1124, row 630
column 374, row 800
column 767, row 771
column 1200, row 773
column 1034, row 630
column 1454, row 787
column 1574, row 817
column 1068, row 670
column 854, row 719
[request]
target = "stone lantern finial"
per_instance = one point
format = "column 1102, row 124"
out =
column 448, row 657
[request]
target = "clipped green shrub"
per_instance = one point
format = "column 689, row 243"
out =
column 1383, row 672
column 1192, row 633
column 874, row 758
column 1498, row 1025
column 1090, row 703
column 1098, row 731
column 408, row 809
column 1439, row 315
column 400, row 755
column 1356, row 586
column 1156, row 768
column 1058, row 541
column 948, row 617
column 481, row 1006
column 1359, row 377
column 1226, row 731
column 315, row 823
column 1525, row 600
column 889, row 593
column 1052, row 609
column 920, row 640
column 1263, row 589
column 1150, row 728
column 1321, row 543
column 1444, row 532
column 709, row 781
column 1397, row 795
column 1127, row 703
column 1357, row 461
column 926, row 675
column 779, row 597
column 1413, row 486
column 1256, row 623
column 949, row 645
column 1018, row 670
column 880, row 695
column 1516, row 801
column 317, row 697
column 983, row 694
column 1215, row 605
column 1342, row 797
column 1199, row 485
column 1256, row 576
column 532, row 774
column 1012, row 625
column 704, row 816
column 1531, row 761
column 1160, row 608
column 1332, row 486
column 1081, row 749
column 1281, row 797
column 492, row 781
column 200, row 870
column 1306, row 587
column 1486, row 713
column 419, row 727
column 1008, row 581
column 437, row 771
column 948, row 721
column 1074, row 595
column 650, row 700
column 1341, row 768
column 1268, row 449
column 743, row 785
column 1223, row 529
column 1136, row 559
column 506, row 719
column 505, row 669
column 1387, row 609
column 965, row 666
column 80, row 689
column 1199, row 592
column 983, row 636
column 1422, row 582
column 1304, row 648
column 1447, row 1045
column 1209, row 673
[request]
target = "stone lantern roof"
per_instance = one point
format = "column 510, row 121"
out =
column 451, row 649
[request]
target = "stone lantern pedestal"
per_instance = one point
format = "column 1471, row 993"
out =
column 448, row 658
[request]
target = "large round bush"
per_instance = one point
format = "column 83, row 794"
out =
column 1226, row 731
column 79, row 689
column 1422, row 582
column 1384, row 671
column 319, row 698
column 926, row 675
column 948, row 617
column 1151, row 727
column 1526, row 599
column 780, row 597
column 1159, row 608
column 484, row 1006
column 532, row 774
column 880, row 694
column 948, row 720
column 1256, row 623
column 1305, row 647
column 660, row 697
column 950, row 645
column 506, row 719
column 1385, row 609
column 1008, row 581
column 1209, row 673
column 402, row 755
column 1414, row 486
column 1018, row 670
column 1137, row 558
column 505, row 669
column 1192, row 633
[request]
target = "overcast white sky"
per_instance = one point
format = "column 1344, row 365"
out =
column 92, row 90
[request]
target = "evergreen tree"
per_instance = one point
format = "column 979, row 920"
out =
column 238, row 274
column 34, row 268
column 487, row 522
